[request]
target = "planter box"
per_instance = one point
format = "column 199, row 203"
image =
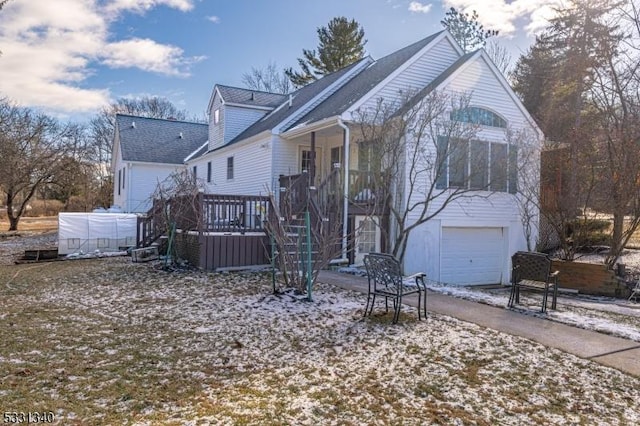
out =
column 588, row 278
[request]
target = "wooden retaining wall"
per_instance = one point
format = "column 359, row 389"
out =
column 211, row 252
column 588, row 278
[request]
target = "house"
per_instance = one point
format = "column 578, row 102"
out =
column 145, row 152
column 260, row 142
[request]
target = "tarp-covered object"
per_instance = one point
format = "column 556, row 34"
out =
column 88, row 232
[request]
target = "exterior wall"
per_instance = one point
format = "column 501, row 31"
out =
column 216, row 132
column 142, row 181
column 419, row 74
column 252, row 169
column 237, row 119
column 498, row 209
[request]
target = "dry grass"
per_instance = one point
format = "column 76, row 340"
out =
column 40, row 224
column 111, row 342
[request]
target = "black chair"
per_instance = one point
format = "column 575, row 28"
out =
column 532, row 271
column 386, row 280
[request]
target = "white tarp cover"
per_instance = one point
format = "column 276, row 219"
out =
column 88, row 232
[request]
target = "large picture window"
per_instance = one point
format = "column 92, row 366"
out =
column 480, row 165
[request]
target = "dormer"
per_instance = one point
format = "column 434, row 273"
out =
column 232, row 110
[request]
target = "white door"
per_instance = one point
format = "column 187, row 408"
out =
column 367, row 238
column 471, row 256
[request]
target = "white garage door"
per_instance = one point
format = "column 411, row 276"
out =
column 472, row 255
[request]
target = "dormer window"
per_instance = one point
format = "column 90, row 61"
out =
column 216, row 116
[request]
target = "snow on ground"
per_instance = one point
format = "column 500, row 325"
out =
column 13, row 244
column 109, row 342
column 617, row 317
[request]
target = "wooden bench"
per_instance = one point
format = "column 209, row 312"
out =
column 532, row 271
column 386, row 280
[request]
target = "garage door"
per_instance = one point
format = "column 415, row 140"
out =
column 472, row 255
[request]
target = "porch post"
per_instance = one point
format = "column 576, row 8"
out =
column 312, row 166
column 345, row 207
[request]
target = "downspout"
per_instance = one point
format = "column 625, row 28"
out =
column 345, row 213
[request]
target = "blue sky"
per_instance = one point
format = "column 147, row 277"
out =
column 70, row 57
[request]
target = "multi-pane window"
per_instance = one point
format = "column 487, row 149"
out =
column 229, row 168
column 475, row 164
column 119, row 181
column 305, row 161
column 209, row 172
column 478, row 115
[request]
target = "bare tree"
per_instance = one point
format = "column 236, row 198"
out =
column 33, row 146
column 425, row 156
column 499, row 55
column 177, row 205
column 615, row 94
column 267, row 79
column 286, row 226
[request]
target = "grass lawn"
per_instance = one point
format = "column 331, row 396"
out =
column 111, row 342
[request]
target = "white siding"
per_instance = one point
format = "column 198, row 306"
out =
column 285, row 158
column 420, row 73
column 216, row 131
column 486, row 91
column 142, row 181
column 497, row 210
column 252, row 169
column 237, row 119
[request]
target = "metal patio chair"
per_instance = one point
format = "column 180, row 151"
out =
column 386, row 280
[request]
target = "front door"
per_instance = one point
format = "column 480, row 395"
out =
column 367, row 237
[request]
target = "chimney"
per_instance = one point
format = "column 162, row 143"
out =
column 133, row 124
column 253, row 96
column 290, row 101
column 180, row 136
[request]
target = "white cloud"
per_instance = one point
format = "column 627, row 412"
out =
column 417, row 7
column 49, row 48
column 502, row 15
column 140, row 6
column 214, row 19
column 148, row 55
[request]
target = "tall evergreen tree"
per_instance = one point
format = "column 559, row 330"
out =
column 466, row 29
column 341, row 43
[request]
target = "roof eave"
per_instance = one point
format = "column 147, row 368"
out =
column 313, row 127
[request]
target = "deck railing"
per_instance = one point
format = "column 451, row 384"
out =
column 234, row 213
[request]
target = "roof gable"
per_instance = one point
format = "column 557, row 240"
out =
column 153, row 140
column 457, row 69
column 367, row 82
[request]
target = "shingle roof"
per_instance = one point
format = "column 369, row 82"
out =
column 364, row 82
column 154, row 140
column 300, row 98
column 238, row 95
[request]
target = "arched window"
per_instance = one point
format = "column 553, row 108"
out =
column 478, row 115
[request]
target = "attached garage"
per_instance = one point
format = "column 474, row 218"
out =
column 472, row 255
